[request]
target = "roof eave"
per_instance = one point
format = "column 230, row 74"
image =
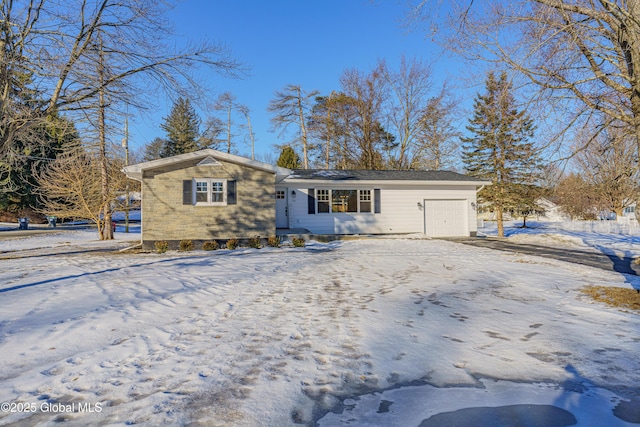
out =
column 382, row 182
column 136, row 171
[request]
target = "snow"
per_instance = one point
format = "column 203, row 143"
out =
column 359, row 332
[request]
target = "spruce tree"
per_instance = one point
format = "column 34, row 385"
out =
column 182, row 126
column 500, row 148
column 288, row 158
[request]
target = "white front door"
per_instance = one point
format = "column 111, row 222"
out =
column 282, row 210
column 445, row 218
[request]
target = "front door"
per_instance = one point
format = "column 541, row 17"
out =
column 282, row 210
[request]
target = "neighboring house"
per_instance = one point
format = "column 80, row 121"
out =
column 628, row 214
column 546, row 210
column 208, row 195
column 549, row 211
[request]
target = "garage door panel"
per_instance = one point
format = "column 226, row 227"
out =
column 445, row 218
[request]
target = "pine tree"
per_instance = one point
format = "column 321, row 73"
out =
column 288, row 158
column 500, row 148
column 183, row 129
column 154, row 149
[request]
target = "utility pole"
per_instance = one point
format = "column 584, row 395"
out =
column 125, row 145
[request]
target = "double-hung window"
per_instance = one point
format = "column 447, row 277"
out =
column 323, row 201
column 365, row 201
column 209, row 191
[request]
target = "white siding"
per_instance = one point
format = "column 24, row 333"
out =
column 402, row 208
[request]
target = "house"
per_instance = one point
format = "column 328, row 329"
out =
column 208, row 195
column 549, row 211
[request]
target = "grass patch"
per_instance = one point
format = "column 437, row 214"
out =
column 623, row 298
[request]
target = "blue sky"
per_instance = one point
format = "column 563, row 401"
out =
column 304, row 42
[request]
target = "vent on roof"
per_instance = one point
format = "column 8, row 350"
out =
column 209, row 161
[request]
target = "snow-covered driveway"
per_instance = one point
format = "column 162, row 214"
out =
column 276, row 337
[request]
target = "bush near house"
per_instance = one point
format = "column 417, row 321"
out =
column 232, row 243
column 298, row 242
column 162, row 246
column 186, row 245
column 210, row 246
column 273, row 241
column 255, row 242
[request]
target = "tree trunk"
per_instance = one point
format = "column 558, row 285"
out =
column 303, row 130
column 499, row 220
column 107, row 231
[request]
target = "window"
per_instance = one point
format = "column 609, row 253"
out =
column 217, row 192
column 210, row 191
column 280, row 194
column 341, row 201
column 365, row 200
column 323, row 201
column 344, row 200
column 202, row 191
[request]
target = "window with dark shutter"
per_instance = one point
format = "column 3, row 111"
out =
column 376, row 200
column 311, row 201
column 187, row 194
column 232, row 197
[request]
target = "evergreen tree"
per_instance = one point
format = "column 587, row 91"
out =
column 183, row 129
column 500, row 148
column 288, row 158
column 154, row 149
column 54, row 136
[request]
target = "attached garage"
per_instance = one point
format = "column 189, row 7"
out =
column 446, row 218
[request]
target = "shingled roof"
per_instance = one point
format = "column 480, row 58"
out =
column 380, row 175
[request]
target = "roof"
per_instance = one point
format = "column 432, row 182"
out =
column 135, row 171
column 383, row 175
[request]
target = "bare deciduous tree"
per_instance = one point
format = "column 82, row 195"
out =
column 244, row 110
column 583, row 54
column 291, row 106
column 421, row 122
column 576, row 197
column 89, row 55
column 608, row 165
column 226, row 103
column 364, row 99
column 72, row 187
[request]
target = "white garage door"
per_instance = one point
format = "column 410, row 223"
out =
column 445, row 218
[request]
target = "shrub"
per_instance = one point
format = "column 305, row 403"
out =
column 298, row 242
column 255, row 242
column 210, row 246
column 186, row 245
column 273, row 241
column 162, row 246
column 232, row 243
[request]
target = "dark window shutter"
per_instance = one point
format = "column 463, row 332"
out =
column 232, row 197
column 377, row 201
column 311, row 201
column 187, row 192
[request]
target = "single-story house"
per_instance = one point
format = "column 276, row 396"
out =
column 208, row 194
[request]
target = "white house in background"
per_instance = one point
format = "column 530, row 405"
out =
column 436, row 203
column 628, row 214
column 549, row 211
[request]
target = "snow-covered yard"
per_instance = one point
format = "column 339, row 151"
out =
column 381, row 331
